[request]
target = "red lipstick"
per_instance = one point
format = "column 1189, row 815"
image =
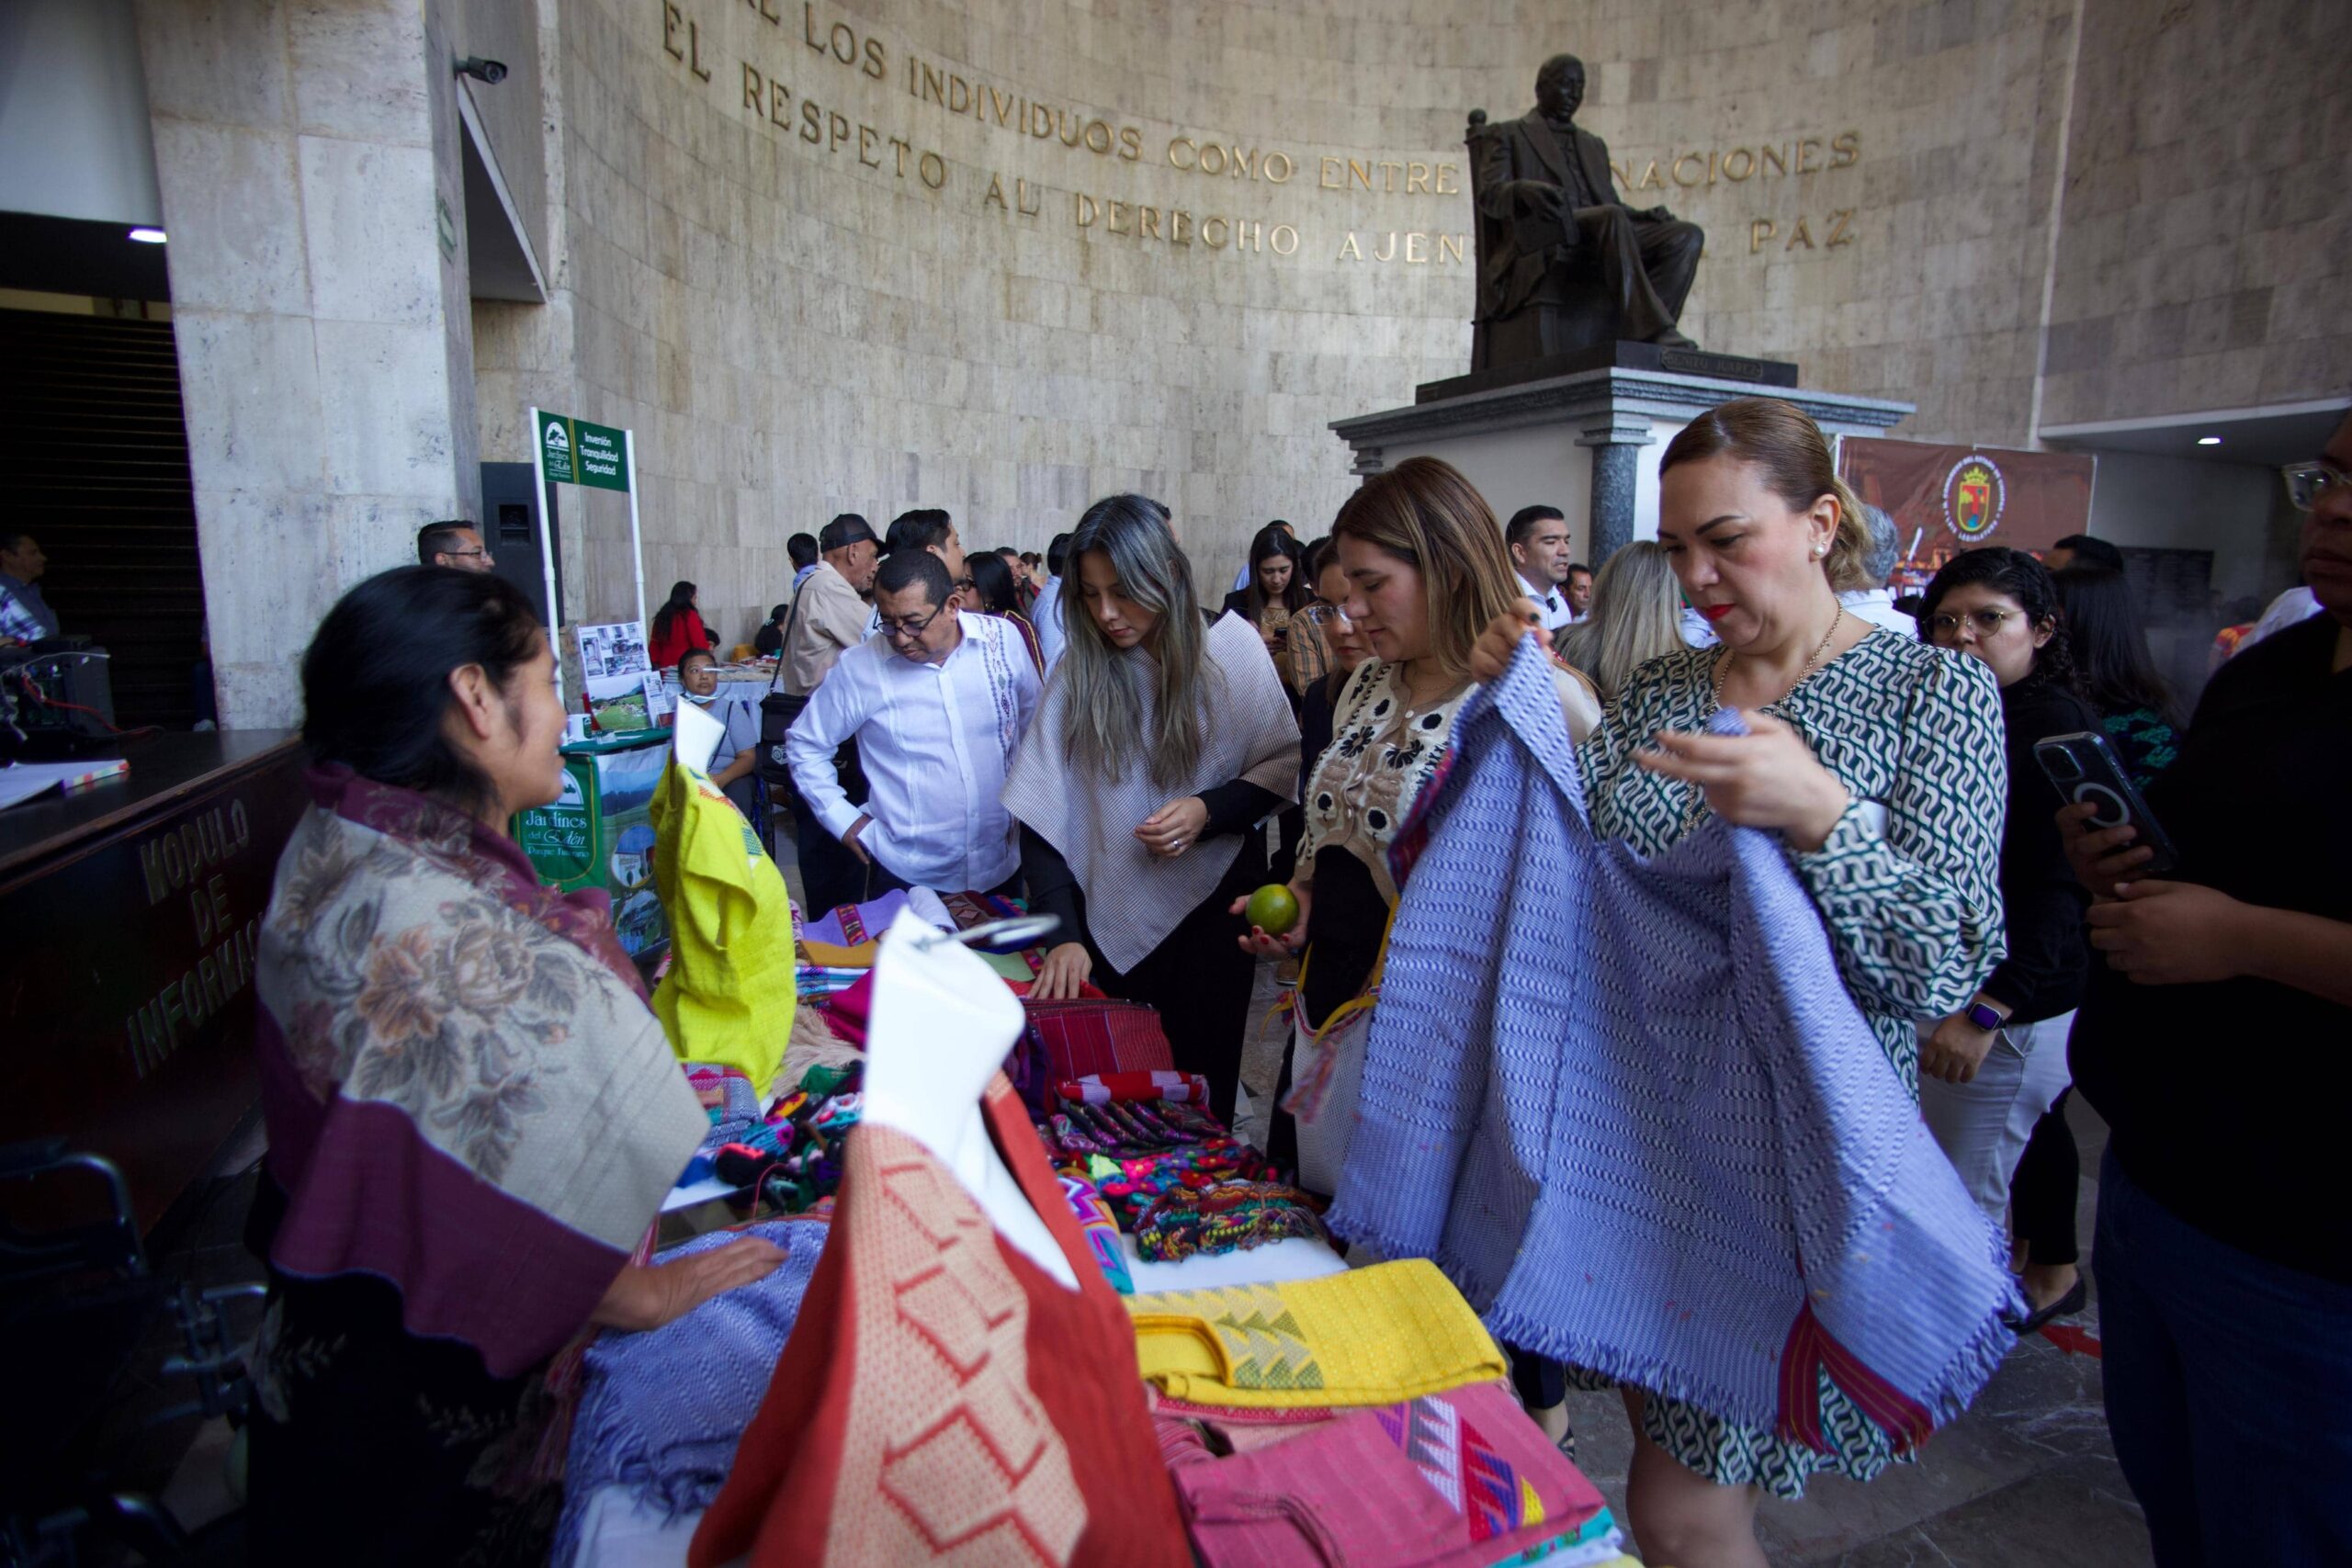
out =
column 1714, row 611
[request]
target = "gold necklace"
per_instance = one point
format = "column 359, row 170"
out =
column 1696, row 806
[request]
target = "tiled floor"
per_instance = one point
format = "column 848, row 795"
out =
column 2026, row 1477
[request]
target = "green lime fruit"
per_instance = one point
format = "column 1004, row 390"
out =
column 1273, row 909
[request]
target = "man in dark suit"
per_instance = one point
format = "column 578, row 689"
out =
column 1552, row 230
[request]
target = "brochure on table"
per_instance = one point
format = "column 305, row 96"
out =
column 624, row 690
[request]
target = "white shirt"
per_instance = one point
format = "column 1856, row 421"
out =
column 1553, row 600
column 1045, row 616
column 1876, row 605
column 936, row 741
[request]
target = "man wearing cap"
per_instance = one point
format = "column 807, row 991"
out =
column 829, row 614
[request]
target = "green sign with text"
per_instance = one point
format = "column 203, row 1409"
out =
column 578, row 453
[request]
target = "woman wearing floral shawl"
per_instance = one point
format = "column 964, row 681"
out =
column 472, row 1115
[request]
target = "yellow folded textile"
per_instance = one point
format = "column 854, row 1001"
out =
column 1376, row 1335
column 729, row 995
column 825, row 955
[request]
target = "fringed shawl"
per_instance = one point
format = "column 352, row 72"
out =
column 1629, row 1107
column 1133, row 897
column 464, row 1092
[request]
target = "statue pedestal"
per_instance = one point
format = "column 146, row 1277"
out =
column 1577, row 441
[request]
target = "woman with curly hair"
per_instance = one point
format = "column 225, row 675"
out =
column 1988, row 1071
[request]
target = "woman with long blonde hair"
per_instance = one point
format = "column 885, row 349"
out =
column 1163, row 738
column 1636, row 615
column 1426, row 571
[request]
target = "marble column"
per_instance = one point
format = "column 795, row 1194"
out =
column 1616, row 444
column 312, row 190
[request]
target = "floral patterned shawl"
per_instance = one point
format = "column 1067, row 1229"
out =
column 466, row 1094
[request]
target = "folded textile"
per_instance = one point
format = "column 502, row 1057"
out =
column 1130, row 1128
column 1075, row 1038
column 734, row 1108
column 1455, row 1480
column 1140, row 1180
column 1231, row 1216
column 795, row 1156
column 853, row 924
column 661, row 1411
column 1094, row 1217
column 1631, row 1108
column 942, row 1396
column 827, row 955
column 1101, row 1089
column 1376, row 1335
column 818, row 980
column 970, row 910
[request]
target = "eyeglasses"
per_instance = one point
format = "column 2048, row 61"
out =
column 1324, row 614
column 488, row 559
column 1988, row 623
column 907, row 631
column 2306, row 483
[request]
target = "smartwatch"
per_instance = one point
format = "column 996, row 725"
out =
column 1983, row 1017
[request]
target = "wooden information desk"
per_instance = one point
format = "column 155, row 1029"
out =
column 130, row 913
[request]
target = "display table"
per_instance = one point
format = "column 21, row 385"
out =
column 618, row 1531
column 133, row 909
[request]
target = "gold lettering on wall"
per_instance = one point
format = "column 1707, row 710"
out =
column 847, row 43
column 1414, row 247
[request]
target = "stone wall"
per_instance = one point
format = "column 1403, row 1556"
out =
column 304, row 154
column 1006, row 258
column 2205, row 253
column 788, row 271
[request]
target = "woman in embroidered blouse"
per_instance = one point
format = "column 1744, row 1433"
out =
column 1425, row 569
column 472, row 1114
column 1877, row 759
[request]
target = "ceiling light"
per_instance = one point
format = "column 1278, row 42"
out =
column 2208, row 441
column 148, row 236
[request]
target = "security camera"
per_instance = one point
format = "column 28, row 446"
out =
column 490, row 71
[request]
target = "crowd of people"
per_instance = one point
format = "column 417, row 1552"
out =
column 1089, row 732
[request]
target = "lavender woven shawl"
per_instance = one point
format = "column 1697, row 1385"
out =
column 662, row 1411
column 1628, row 1107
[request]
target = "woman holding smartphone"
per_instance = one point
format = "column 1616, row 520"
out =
column 1989, row 1070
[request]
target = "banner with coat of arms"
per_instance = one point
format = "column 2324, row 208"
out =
column 1945, row 499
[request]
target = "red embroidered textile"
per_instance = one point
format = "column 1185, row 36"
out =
column 942, row 1398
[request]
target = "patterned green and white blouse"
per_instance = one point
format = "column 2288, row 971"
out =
column 1907, row 884
column 1908, row 880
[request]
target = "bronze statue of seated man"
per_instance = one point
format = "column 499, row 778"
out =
column 1563, row 263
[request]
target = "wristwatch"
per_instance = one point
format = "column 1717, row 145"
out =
column 1983, row 1017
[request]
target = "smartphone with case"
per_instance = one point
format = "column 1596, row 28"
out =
column 2084, row 767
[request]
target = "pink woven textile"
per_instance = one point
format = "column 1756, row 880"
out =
column 1457, row 1479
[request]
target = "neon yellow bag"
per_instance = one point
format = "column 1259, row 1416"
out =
column 729, row 997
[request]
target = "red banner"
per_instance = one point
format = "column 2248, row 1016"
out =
column 1945, row 499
